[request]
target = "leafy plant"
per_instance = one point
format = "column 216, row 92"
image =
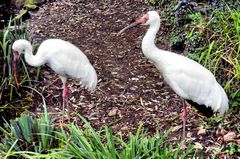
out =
column 9, row 35
column 220, row 50
column 26, row 135
column 104, row 144
column 233, row 148
column 30, row 137
column 26, row 5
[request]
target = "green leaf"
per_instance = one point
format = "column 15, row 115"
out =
column 21, row 13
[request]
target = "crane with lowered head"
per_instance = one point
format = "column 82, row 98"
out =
column 63, row 58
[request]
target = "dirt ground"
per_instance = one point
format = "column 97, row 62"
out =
column 130, row 89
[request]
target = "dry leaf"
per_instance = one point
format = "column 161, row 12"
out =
column 197, row 145
column 113, row 112
column 125, row 128
column 238, row 141
column 176, row 128
column 229, row 136
column 189, row 134
column 201, row 131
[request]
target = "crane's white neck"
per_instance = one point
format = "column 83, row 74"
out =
column 33, row 60
column 148, row 45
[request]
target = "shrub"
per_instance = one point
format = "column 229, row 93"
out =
column 220, row 49
column 8, row 36
column 28, row 137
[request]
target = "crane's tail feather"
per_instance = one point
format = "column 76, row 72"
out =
column 220, row 100
column 216, row 99
column 88, row 78
column 224, row 101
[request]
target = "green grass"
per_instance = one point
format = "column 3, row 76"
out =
column 11, row 33
column 28, row 137
column 12, row 97
column 221, row 47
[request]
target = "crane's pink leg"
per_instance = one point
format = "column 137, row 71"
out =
column 65, row 95
column 184, row 118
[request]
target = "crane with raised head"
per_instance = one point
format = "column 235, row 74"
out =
column 187, row 78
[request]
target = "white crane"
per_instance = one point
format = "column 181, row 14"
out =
column 189, row 79
column 62, row 57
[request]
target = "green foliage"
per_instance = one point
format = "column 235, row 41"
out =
column 27, row 134
column 12, row 97
column 9, row 35
column 221, row 47
column 26, row 5
column 103, row 144
column 233, row 148
column 151, row 1
column 28, row 137
column 158, row 2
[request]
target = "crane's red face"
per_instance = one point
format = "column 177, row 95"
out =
column 142, row 21
column 16, row 57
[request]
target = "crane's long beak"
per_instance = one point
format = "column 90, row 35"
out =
column 137, row 22
column 130, row 26
column 15, row 59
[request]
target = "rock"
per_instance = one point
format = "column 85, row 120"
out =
column 229, row 136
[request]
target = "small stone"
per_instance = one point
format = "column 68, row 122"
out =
column 229, row 136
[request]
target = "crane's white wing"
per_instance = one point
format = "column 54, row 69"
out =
column 192, row 81
column 67, row 60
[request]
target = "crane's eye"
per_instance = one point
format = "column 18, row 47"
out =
column 146, row 17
